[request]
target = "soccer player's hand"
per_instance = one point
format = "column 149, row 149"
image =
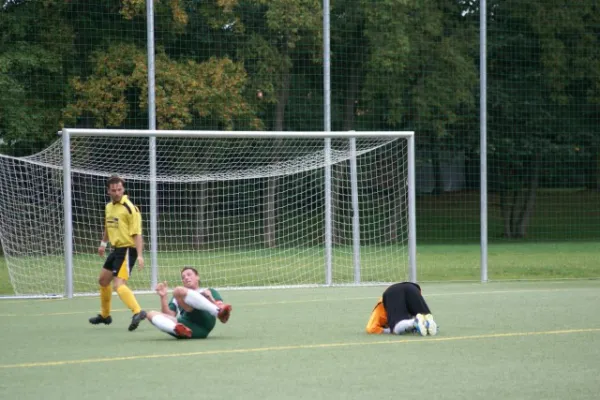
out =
column 208, row 294
column 140, row 262
column 161, row 289
column 101, row 251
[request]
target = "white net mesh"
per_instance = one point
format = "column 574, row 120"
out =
column 244, row 212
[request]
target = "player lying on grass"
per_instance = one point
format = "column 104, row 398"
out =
column 192, row 312
column 402, row 309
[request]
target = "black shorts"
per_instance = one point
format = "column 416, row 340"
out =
column 121, row 261
column 403, row 301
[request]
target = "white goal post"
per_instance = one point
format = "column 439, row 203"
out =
column 247, row 209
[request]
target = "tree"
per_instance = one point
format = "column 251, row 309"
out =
column 184, row 90
column 278, row 34
column 539, row 74
column 404, row 65
column 35, row 42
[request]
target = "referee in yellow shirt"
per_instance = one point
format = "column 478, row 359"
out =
column 123, row 229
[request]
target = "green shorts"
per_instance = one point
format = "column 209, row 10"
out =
column 200, row 322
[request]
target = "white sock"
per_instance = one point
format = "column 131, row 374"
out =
column 403, row 326
column 163, row 323
column 200, row 302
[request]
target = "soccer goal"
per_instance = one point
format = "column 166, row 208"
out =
column 247, row 209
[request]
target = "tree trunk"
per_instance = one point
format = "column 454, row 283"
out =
column 272, row 183
column 505, row 205
column 529, row 204
column 338, row 215
column 394, row 204
column 351, row 99
column 200, row 207
column 271, row 213
column 201, row 214
column 593, row 175
column 597, row 170
column 438, row 187
column 518, row 204
column 516, row 212
column 340, row 174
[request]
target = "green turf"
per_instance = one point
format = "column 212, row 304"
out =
column 457, row 262
column 525, row 340
column 5, row 285
column 509, row 261
column 559, row 215
column 561, row 243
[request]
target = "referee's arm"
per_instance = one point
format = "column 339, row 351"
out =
column 139, row 247
column 136, row 233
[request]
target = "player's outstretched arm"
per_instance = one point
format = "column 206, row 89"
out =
column 162, row 289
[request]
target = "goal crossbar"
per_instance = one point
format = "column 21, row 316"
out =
column 234, row 134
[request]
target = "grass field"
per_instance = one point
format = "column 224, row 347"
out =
column 453, row 262
column 560, row 215
column 532, row 332
column 561, row 243
column 523, row 340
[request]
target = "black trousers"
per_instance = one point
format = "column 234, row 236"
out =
column 403, row 301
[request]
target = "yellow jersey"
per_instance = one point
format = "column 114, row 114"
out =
column 122, row 222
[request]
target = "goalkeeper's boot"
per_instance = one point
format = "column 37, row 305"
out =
column 430, row 325
column 224, row 313
column 136, row 319
column 420, row 325
column 99, row 319
column 183, row 331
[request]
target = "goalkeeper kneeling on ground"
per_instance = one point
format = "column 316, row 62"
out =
column 402, row 309
column 192, row 311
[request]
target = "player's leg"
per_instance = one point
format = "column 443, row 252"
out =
column 417, row 305
column 191, row 299
column 431, row 325
column 124, row 261
column 201, row 323
column 405, row 326
column 168, row 324
column 395, row 305
column 104, row 280
column 414, row 300
column 400, row 315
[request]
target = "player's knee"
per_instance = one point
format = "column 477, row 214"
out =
column 105, row 277
column 179, row 292
column 151, row 314
column 117, row 283
column 102, row 281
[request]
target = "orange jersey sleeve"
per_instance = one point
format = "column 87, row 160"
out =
column 378, row 320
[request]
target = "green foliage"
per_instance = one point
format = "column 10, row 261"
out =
column 184, row 90
column 421, row 69
column 34, row 43
column 560, row 215
column 277, row 35
column 173, row 10
column 403, row 65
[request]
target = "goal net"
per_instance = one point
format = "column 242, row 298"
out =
column 251, row 210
